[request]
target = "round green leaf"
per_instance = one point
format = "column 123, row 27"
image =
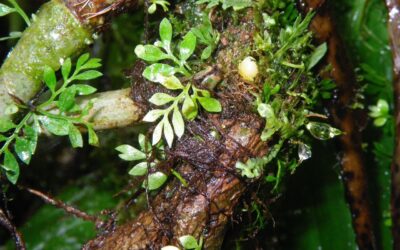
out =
column 54, row 125
column 23, row 150
column 158, row 71
column 160, row 99
column 188, row 242
column 210, row 104
column 150, row 53
column 189, row 108
column 11, row 166
column 156, row 180
column 139, row 169
column 6, row 124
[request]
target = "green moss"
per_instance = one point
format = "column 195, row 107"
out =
column 54, row 35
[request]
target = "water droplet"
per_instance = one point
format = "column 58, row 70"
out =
column 304, row 152
column 322, row 131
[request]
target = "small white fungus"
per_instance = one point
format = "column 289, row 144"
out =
column 248, row 69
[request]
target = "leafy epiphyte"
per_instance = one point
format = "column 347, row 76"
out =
column 190, row 96
column 14, row 8
column 147, row 157
column 65, row 120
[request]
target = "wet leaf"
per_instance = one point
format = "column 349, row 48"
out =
column 178, row 123
column 187, row 46
column 139, row 169
column 156, row 180
column 49, row 77
column 166, row 32
column 188, row 242
column 129, row 153
column 210, row 104
column 54, row 125
column 150, row 53
column 75, row 136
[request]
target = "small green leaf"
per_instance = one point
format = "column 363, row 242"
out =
column 11, row 166
column 23, row 150
column 168, row 132
column 188, row 242
column 322, row 131
column 12, row 35
column 189, row 108
column 150, row 53
column 49, row 77
column 139, row 169
column 317, row 55
column 83, row 89
column 11, row 109
column 129, row 153
column 93, row 139
column 55, row 126
column 266, row 111
column 166, row 32
column 144, row 143
column 93, row 63
column 187, row 46
column 206, row 52
column 153, row 115
column 31, row 135
column 380, row 121
column 81, row 60
column 6, row 124
column 5, row 10
column 67, row 99
column 66, row 68
column 210, row 104
column 171, row 82
column 160, row 99
column 2, row 138
column 158, row 71
column 75, row 136
column 157, row 133
column 88, row 75
column 152, row 8
column 156, row 180
column 178, row 123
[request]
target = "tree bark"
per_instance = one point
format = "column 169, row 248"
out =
column 205, row 207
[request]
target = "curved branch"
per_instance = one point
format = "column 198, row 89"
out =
column 59, row 30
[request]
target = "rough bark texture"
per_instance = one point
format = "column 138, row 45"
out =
column 208, row 164
column 393, row 7
column 353, row 169
column 96, row 13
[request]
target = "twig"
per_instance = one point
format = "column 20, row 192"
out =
column 5, row 222
column 60, row 204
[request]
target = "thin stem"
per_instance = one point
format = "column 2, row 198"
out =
column 20, row 11
column 15, row 133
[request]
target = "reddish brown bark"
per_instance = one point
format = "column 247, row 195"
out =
column 96, row 13
column 353, row 168
column 208, row 164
